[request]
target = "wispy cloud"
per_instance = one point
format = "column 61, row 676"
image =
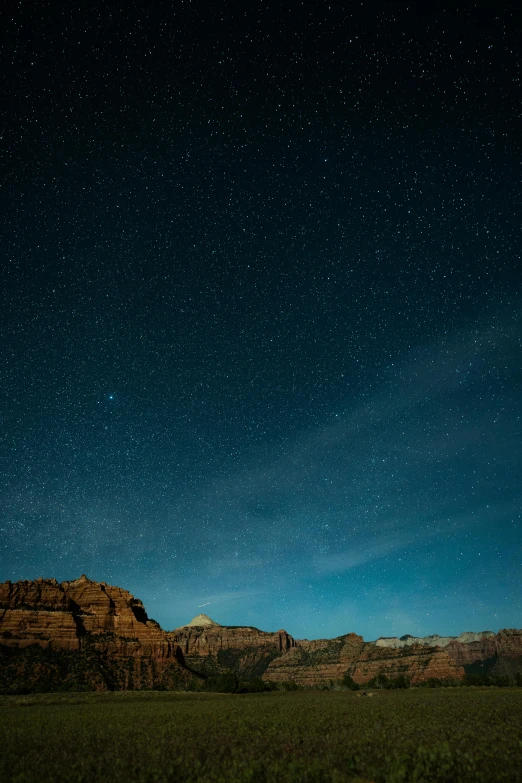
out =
column 227, row 597
column 410, row 534
column 431, row 373
column 374, row 549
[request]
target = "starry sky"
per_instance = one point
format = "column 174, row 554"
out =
column 260, row 309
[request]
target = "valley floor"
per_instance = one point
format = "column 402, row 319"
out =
column 450, row 734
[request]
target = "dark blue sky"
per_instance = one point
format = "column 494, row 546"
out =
column 261, row 310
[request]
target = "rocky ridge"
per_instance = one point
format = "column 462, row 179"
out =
column 322, row 660
column 317, row 662
column 432, row 641
column 103, row 624
column 500, row 651
column 62, row 615
column 101, row 636
column 199, row 620
column 213, row 649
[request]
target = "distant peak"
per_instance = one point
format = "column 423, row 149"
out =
column 200, row 619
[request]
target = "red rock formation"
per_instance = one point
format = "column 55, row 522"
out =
column 38, row 594
column 465, row 654
column 37, row 613
column 47, row 628
column 83, row 614
column 205, row 640
column 215, row 648
column 507, row 643
column 316, row 662
column 418, row 663
column 62, row 615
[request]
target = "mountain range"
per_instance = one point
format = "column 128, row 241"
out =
column 84, row 633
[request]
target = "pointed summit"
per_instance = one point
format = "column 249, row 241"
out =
column 200, row 619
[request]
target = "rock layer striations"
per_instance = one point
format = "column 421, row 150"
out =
column 104, row 625
column 213, row 649
column 100, row 636
column 318, row 662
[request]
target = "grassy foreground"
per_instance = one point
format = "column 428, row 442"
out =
column 461, row 734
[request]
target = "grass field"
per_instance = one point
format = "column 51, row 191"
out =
column 450, row 734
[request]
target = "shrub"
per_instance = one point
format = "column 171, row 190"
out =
column 253, row 686
column 503, row 681
column 499, row 680
column 401, row 681
column 289, row 685
column 223, row 683
column 348, row 682
column 383, row 681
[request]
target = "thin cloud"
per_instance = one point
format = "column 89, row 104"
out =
column 408, row 537
column 435, row 370
column 369, row 550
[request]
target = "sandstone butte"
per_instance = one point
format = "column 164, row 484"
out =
column 210, row 648
column 91, row 619
column 75, row 615
column 312, row 663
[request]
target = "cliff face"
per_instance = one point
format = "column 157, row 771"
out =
column 211, row 649
column 466, row 654
column 509, row 642
column 418, row 663
column 504, row 646
column 91, row 634
column 318, row 661
column 50, row 614
column 469, row 648
column 97, row 619
column 106, row 625
column 433, row 641
column 314, row 663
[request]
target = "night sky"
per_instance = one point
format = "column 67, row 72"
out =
column 260, row 309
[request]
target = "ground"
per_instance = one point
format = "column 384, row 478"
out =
column 450, row 734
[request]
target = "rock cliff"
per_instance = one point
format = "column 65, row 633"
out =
column 62, row 615
column 98, row 621
column 483, row 651
column 499, row 653
column 83, row 633
column 318, row 662
column 417, row 662
column 432, row 641
column 212, row 649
